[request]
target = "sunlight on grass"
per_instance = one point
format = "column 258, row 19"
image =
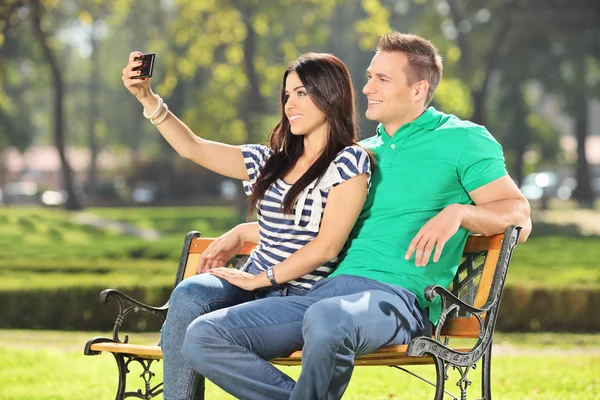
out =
column 56, row 374
column 50, row 365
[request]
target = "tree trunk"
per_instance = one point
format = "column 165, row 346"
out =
column 342, row 43
column 254, row 105
column 583, row 192
column 73, row 202
column 521, row 133
column 479, row 97
column 479, row 94
column 92, row 112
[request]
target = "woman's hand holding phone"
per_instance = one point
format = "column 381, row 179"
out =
column 139, row 87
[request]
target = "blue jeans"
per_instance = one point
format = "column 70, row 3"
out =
column 195, row 296
column 339, row 318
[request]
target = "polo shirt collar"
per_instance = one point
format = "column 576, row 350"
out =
column 429, row 120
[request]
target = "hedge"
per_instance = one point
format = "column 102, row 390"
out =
column 524, row 309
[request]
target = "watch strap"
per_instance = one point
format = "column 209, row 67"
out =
column 271, row 276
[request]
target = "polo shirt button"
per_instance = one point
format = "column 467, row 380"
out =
column 393, row 146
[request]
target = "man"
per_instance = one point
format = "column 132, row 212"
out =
column 435, row 179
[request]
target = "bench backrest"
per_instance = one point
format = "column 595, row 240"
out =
column 478, row 282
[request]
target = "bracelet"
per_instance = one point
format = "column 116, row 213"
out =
column 166, row 107
column 271, row 276
column 157, row 111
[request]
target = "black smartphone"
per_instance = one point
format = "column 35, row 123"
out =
column 146, row 67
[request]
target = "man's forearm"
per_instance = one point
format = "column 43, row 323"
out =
column 493, row 218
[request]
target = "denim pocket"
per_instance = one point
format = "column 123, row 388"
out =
column 296, row 290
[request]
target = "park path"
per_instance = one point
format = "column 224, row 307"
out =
column 587, row 221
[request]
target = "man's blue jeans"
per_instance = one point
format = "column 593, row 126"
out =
column 193, row 297
column 339, row 318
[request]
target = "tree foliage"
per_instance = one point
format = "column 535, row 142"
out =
column 220, row 63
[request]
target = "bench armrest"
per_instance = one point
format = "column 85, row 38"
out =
column 126, row 305
column 451, row 303
column 433, row 291
column 423, row 345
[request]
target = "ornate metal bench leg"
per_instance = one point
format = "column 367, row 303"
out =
column 486, row 374
column 122, row 376
column 440, row 372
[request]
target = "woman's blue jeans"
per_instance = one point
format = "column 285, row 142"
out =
column 194, row 297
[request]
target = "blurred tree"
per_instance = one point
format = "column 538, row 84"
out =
column 230, row 57
column 563, row 48
column 37, row 10
column 472, row 39
column 16, row 128
column 570, row 75
column 41, row 32
column 505, row 44
column 92, row 16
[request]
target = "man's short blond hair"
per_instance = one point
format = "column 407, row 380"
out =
column 424, row 62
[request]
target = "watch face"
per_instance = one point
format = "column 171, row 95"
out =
column 271, row 276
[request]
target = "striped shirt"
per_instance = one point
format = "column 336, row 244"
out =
column 281, row 235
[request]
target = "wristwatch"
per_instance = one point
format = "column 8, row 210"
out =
column 271, row 276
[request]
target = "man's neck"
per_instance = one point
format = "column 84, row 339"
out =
column 392, row 127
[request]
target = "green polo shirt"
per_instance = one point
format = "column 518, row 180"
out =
column 430, row 163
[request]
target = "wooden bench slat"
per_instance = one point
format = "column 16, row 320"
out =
column 389, row 355
column 487, row 277
column 477, row 243
column 474, row 243
column 153, row 352
column 200, row 244
column 463, row 327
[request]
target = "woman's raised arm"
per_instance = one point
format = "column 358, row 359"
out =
column 221, row 158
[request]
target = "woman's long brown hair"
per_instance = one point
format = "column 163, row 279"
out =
column 327, row 82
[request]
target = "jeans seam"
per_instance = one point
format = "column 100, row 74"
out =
column 192, row 372
column 190, row 384
column 332, row 366
column 263, row 363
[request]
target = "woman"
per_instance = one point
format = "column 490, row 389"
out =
column 307, row 187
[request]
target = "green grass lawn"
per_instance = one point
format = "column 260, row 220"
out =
column 51, row 366
column 43, row 248
column 554, row 261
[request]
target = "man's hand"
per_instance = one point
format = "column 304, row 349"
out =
column 220, row 251
column 435, row 233
column 237, row 278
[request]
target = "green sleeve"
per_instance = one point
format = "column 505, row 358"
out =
column 481, row 160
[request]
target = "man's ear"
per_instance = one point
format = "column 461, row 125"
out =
column 421, row 89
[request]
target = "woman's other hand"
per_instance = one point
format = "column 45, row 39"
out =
column 220, row 251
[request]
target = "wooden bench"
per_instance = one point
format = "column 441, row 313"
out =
column 470, row 309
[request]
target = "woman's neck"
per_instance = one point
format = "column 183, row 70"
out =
column 314, row 144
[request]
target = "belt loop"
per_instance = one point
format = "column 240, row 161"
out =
column 285, row 289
